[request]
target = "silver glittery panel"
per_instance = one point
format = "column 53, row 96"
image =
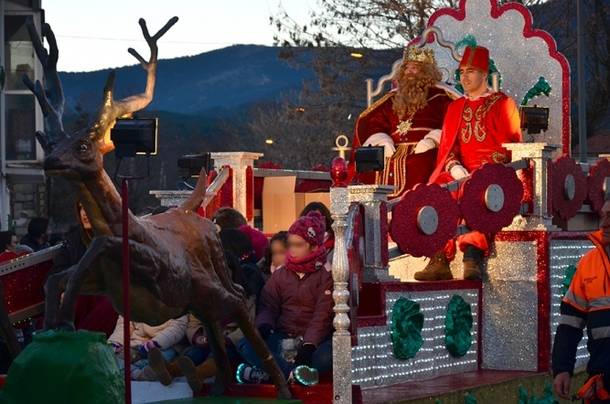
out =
column 510, row 307
column 513, row 261
column 374, row 364
column 521, row 61
column 510, row 329
column 564, row 253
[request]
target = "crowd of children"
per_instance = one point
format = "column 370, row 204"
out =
column 288, row 285
column 287, row 282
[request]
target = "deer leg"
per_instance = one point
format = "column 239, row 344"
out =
column 54, row 285
column 259, row 345
column 99, row 247
column 219, row 350
column 143, row 261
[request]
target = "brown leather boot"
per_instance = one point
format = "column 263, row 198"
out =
column 195, row 375
column 436, row 270
column 473, row 263
column 159, row 366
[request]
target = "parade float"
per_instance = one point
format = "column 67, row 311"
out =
column 399, row 340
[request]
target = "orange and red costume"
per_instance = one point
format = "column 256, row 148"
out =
column 473, row 133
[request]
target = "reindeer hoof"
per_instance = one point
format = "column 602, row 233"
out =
column 284, row 393
column 218, row 388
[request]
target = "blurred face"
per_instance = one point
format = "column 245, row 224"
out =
column 297, row 247
column 412, row 69
column 605, row 223
column 278, row 254
column 13, row 245
column 473, row 80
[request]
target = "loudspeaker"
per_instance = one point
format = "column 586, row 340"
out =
column 369, row 159
column 135, row 136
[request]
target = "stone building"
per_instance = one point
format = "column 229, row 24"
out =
column 22, row 181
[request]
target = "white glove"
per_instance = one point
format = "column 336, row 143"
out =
column 382, row 139
column 458, row 172
column 424, row 145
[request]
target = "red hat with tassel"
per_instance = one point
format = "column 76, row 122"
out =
column 477, row 57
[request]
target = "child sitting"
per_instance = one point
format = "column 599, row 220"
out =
column 143, row 338
column 197, row 362
column 295, row 310
column 275, row 254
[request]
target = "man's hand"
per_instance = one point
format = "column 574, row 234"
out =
column 424, row 145
column 458, row 172
column 561, row 385
column 384, row 140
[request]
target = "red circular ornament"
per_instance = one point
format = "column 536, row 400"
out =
column 339, row 172
column 569, row 187
column 491, row 198
column 424, row 220
column 597, row 178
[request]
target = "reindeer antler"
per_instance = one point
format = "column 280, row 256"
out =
column 51, row 100
column 111, row 109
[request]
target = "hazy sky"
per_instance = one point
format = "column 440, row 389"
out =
column 96, row 34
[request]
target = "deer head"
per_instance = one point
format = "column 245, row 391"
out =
column 80, row 155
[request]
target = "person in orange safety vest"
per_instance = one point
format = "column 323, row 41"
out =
column 587, row 303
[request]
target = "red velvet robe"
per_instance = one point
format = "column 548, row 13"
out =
column 473, row 133
column 381, row 118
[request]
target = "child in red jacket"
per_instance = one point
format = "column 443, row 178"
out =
column 295, row 310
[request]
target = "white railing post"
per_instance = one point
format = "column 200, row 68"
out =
column 374, row 198
column 342, row 342
column 540, row 154
column 239, row 163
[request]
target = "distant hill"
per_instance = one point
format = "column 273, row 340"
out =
column 222, row 79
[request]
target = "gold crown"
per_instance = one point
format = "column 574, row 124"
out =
column 421, row 55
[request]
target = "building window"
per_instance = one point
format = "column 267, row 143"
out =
column 18, row 52
column 20, row 127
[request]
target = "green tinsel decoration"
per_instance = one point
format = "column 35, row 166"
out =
column 458, row 327
column 542, row 87
column 547, row 396
column 567, row 278
column 470, row 40
column 470, row 399
column 405, row 328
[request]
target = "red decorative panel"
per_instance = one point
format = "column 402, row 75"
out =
column 597, row 176
column 24, row 288
column 404, row 227
column 566, row 174
column 249, row 193
column 474, row 207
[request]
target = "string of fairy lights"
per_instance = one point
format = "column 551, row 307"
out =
column 373, row 361
column 564, row 253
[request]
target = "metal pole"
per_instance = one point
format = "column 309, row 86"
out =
column 126, row 308
column 580, row 70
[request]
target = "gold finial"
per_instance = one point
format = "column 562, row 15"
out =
column 416, row 54
column 342, row 145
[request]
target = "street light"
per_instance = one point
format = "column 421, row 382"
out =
column 356, row 55
column 269, row 141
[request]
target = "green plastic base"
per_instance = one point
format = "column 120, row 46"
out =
column 63, row 367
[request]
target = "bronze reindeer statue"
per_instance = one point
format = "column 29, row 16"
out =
column 177, row 262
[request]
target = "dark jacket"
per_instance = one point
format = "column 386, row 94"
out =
column 298, row 307
column 586, row 303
